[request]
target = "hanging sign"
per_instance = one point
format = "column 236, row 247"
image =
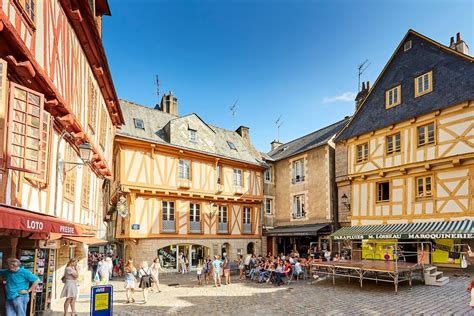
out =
column 102, row 300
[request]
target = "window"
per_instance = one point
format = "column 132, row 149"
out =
column 362, row 152
column 86, row 186
column 44, row 154
column 407, row 46
column 393, row 144
column 92, row 92
column 103, row 128
column 168, row 210
column 223, row 218
column 423, row 187
column 424, row 84
column 219, row 174
column 139, row 123
column 231, row 145
column 393, row 97
column 192, row 135
column 247, row 215
column 298, row 206
column 268, row 206
column 29, row 6
column 70, row 176
column 383, row 191
column 26, row 129
column 267, row 176
column 298, row 171
column 184, row 169
column 237, row 177
column 426, row 134
column 194, row 212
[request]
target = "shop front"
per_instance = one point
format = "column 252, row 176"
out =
column 298, row 238
column 440, row 243
column 40, row 243
column 169, row 256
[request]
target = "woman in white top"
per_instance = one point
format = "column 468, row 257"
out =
column 155, row 271
column 70, row 286
column 103, row 271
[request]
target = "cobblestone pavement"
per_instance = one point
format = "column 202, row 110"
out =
column 302, row 297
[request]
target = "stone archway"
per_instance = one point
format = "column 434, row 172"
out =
column 225, row 249
column 251, row 248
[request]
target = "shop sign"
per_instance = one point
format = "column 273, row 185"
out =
column 49, row 244
column 406, row 236
column 135, row 226
column 101, row 300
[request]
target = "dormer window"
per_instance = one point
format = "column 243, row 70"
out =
column 192, row 135
column 424, row 84
column 393, row 97
column 231, row 145
column 139, row 123
column 407, row 46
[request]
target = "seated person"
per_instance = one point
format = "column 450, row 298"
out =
column 297, row 269
column 336, row 257
column 279, row 273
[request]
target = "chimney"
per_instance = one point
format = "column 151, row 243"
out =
column 243, row 131
column 362, row 94
column 275, row 144
column 169, row 104
column 459, row 45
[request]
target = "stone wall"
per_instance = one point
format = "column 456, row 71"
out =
column 342, row 183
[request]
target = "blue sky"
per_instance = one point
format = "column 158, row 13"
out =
column 293, row 58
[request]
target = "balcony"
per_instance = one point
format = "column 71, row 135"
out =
column 168, row 226
column 195, row 227
column 238, row 190
column 223, row 228
column 184, row 183
column 247, row 228
column 299, row 215
column 297, row 179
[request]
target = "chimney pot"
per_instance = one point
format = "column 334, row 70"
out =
column 363, row 85
column 368, row 85
column 451, row 42
column 458, row 37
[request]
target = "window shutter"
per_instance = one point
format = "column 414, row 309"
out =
column 25, row 129
column 3, row 110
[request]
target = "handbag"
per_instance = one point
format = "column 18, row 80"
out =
column 63, row 279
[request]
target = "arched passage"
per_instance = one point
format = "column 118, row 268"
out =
column 251, row 248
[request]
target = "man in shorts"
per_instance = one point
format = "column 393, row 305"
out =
column 216, row 269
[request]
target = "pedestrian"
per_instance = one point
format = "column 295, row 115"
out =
column 327, row 255
column 470, row 288
column 130, row 275
column 155, row 271
column 18, row 287
column 207, row 270
column 110, row 265
column 70, row 286
column 94, row 265
column 103, row 271
column 115, row 271
column 216, row 271
column 199, row 274
column 226, row 268
column 241, row 264
column 146, row 279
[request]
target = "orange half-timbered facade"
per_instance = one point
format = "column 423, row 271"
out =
column 410, row 150
column 190, row 187
column 56, row 95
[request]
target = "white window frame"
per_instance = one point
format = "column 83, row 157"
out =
column 238, row 179
column 298, row 171
column 267, row 175
column 223, row 210
column 219, row 174
column 192, row 133
column 247, row 215
column 298, row 206
column 167, row 209
column 194, row 212
column 184, row 171
column 268, row 202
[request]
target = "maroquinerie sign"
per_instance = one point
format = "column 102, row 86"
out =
column 407, row 236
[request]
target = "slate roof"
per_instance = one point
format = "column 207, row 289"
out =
column 307, row 142
column 453, row 83
column 155, row 121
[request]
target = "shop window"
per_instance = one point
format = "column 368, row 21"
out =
column 393, row 144
column 362, row 152
column 26, row 130
column 423, row 187
column 424, row 84
column 426, row 135
column 383, row 191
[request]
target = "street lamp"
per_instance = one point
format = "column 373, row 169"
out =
column 345, row 201
column 85, row 152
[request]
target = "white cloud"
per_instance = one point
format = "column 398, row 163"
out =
column 345, row 97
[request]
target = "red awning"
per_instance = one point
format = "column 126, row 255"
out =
column 87, row 240
column 19, row 219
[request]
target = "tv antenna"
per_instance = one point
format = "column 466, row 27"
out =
column 233, row 111
column 362, row 67
column 278, row 124
column 157, row 83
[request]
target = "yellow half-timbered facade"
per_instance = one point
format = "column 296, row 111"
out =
column 410, row 153
column 190, row 187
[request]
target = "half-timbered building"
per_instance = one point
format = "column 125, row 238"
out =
column 300, row 192
column 410, row 151
column 189, row 187
column 57, row 105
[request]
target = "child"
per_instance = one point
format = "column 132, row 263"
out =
column 199, row 273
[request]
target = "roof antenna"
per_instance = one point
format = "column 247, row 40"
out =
column 278, row 124
column 362, row 67
column 233, row 111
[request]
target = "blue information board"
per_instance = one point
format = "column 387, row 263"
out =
column 102, row 300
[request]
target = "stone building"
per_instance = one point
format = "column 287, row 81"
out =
column 190, row 187
column 299, row 186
